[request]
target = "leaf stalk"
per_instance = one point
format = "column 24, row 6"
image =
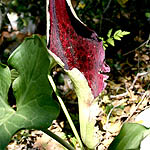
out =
column 66, row 112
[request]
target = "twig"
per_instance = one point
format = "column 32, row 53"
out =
column 131, row 87
column 137, row 76
column 119, row 95
column 109, row 114
column 143, row 97
column 108, row 4
column 101, row 15
column 109, row 20
column 146, row 42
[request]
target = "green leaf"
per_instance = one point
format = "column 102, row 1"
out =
column 130, row 137
column 118, row 33
column 125, row 33
column 35, row 108
column 111, row 41
column 109, row 33
column 14, row 74
column 104, row 46
column 116, row 37
column 5, row 110
column 147, row 14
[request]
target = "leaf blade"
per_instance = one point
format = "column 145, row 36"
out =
column 36, row 108
column 130, row 137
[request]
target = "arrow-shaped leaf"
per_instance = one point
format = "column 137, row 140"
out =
column 35, row 107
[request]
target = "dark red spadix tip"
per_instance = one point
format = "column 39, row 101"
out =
column 76, row 45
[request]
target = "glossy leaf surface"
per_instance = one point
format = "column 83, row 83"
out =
column 130, row 137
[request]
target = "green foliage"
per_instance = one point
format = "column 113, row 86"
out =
column 122, row 2
column 116, row 14
column 98, row 20
column 29, row 10
column 35, row 107
column 111, row 38
column 130, row 137
column 147, row 14
column 108, row 108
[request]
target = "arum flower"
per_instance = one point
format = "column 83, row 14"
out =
column 79, row 51
column 77, row 45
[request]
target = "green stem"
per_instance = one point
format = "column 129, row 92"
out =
column 58, row 139
column 66, row 112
